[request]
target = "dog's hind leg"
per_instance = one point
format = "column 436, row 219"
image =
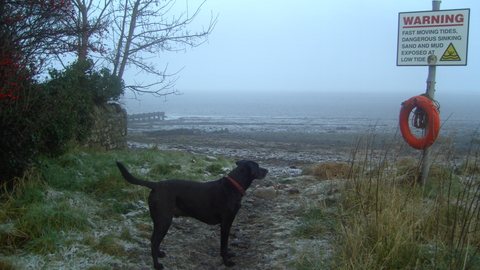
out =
column 162, row 219
column 159, row 232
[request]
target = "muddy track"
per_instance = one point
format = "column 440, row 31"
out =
column 262, row 235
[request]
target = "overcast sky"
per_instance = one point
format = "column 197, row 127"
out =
column 315, row 45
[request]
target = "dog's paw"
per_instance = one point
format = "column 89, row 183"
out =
column 229, row 263
column 161, row 254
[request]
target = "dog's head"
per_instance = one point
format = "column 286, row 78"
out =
column 252, row 168
column 246, row 172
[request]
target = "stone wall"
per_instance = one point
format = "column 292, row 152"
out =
column 109, row 131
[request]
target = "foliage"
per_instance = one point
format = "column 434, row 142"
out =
column 31, row 221
column 108, row 245
column 12, row 71
column 7, row 265
column 50, row 207
column 385, row 220
column 36, row 28
column 21, row 126
column 388, row 226
column 87, row 85
column 68, row 95
column 13, row 66
column 44, row 118
column 330, row 170
column 316, row 221
column 165, row 169
column 28, row 33
column 215, row 169
column 47, row 117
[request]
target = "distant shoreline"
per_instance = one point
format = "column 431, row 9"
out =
column 316, row 133
column 205, row 126
column 282, row 151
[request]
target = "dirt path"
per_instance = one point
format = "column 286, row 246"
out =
column 262, row 236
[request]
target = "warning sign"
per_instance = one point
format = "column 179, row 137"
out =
column 437, row 38
column 450, row 54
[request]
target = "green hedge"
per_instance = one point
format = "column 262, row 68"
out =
column 48, row 116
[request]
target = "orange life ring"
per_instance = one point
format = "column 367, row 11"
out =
column 433, row 122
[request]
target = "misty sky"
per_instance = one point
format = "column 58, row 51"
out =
column 314, row 45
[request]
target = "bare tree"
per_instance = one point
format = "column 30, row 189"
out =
column 36, row 28
column 144, row 28
column 92, row 18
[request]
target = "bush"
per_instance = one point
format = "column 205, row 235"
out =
column 74, row 91
column 47, row 117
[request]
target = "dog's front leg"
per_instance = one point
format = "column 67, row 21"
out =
column 225, row 233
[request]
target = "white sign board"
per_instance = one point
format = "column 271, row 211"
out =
column 438, row 38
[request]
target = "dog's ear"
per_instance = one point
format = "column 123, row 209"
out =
column 253, row 166
column 250, row 165
column 241, row 162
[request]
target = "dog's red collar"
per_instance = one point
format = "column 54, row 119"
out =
column 237, row 185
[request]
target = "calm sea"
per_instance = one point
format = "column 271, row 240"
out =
column 311, row 112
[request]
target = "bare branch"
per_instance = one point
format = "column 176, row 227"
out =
column 149, row 27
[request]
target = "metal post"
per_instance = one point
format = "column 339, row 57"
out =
column 432, row 70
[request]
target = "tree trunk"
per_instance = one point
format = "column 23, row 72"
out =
column 128, row 41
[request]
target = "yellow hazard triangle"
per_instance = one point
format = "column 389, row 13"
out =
column 450, row 54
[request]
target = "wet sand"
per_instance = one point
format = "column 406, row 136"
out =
column 287, row 148
column 284, row 152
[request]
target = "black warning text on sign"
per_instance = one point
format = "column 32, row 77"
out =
column 442, row 35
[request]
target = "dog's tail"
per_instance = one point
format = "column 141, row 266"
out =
column 132, row 179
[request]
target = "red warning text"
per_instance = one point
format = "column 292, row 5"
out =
column 433, row 20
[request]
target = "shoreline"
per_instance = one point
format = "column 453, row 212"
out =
column 285, row 153
column 285, row 150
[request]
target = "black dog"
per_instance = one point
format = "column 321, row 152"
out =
column 211, row 202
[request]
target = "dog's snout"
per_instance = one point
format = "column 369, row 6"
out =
column 263, row 172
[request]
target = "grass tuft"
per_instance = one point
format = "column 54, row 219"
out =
column 386, row 220
column 329, row 170
column 215, row 169
column 6, row 265
column 165, row 169
column 316, row 221
column 109, row 245
column 384, row 223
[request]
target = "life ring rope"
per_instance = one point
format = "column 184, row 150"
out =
column 426, row 117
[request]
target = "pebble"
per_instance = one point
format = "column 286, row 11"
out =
column 210, row 158
column 268, row 192
column 293, row 191
column 288, row 180
column 238, row 234
column 240, row 244
column 247, row 205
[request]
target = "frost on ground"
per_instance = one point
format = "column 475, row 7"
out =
column 262, row 235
